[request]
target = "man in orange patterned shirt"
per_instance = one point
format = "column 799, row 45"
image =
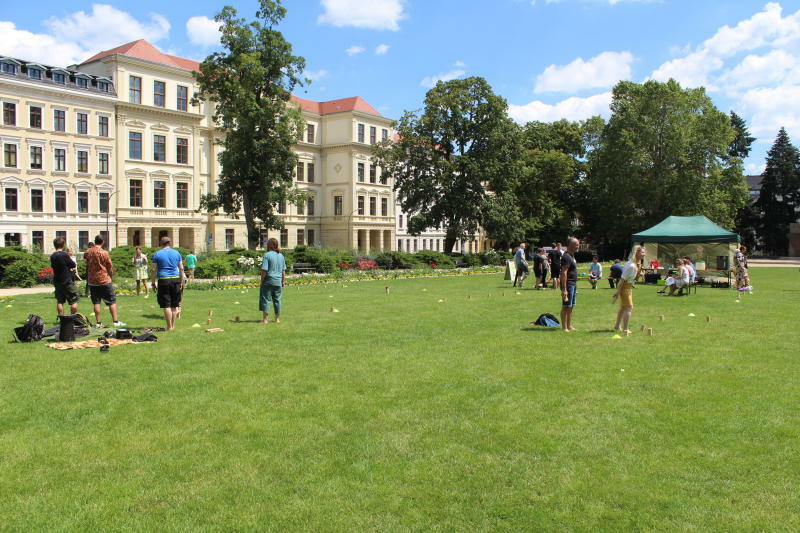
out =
column 99, row 271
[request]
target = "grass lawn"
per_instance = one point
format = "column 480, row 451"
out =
column 403, row 413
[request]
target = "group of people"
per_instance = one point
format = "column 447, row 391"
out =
column 166, row 275
column 544, row 264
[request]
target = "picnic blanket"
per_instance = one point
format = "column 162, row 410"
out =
column 94, row 343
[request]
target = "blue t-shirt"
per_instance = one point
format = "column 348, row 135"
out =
column 274, row 264
column 519, row 256
column 166, row 261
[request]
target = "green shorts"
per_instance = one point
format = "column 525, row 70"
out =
column 66, row 293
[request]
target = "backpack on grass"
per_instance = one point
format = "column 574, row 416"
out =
column 31, row 330
column 547, row 320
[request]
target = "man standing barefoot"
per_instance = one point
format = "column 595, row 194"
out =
column 168, row 268
column 569, row 283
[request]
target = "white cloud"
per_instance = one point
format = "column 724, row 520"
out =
column 459, row 64
column 203, row 31
column 431, row 81
column 692, row 70
column 601, row 71
column 353, row 50
column 573, row 108
column 374, row 15
column 315, row 75
column 755, row 169
column 381, row 49
column 769, row 109
column 77, row 36
column 755, row 70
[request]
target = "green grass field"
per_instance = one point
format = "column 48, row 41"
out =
column 403, row 413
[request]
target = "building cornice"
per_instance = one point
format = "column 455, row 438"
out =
column 65, row 93
column 123, row 59
column 159, row 111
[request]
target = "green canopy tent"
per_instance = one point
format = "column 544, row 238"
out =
column 695, row 237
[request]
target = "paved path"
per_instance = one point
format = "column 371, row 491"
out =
column 4, row 293
column 780, row 262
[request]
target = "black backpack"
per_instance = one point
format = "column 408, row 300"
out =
column 547, row 320
column 31, row 330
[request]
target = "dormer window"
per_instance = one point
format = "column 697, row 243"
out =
column 83, row 83
column 102, row 86
column 58, row 77
column 10, row 65
column 34, row 73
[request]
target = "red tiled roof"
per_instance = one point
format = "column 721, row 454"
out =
column 143, row 50
column 353, row 103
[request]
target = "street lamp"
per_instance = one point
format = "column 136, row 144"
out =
column 108, row 213
column 349, row 231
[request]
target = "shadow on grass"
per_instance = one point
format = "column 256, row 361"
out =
column 245, row 321
column 540, row 328
column 605, row 330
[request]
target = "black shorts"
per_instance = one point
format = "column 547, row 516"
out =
column 103, row 293
column 66, row 293
column 523, row 269
column 170, row 291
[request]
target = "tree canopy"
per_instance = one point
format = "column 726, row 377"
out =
column 250, row 84
column 779, row 200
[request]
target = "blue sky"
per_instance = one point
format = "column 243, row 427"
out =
column 548, row 58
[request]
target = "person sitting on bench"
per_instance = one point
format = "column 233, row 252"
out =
column 679, row 280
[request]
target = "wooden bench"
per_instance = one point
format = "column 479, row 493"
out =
column 300, row 268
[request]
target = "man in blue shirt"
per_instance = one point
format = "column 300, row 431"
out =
column 167, row 268
column 522, row 264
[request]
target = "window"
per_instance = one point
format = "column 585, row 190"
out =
column 102, row 126
column 36, row 117
column 361, row 172
column 382, row 177
column 102, row 86
column 135, row 90
column 301, row 209
column 9, row 114
column 400, row 221
column 159, row 93
column 311, row 237
column 61, row 201
column 310, row 133
column 83, row 201
column 361, row 133
column 59, row 120
column 135, row 145
column 384, row 134
column 284, row 238
column 400, row 245
column 103, row 203
column 183, row 98
column 384, row 207
column 83, row 240
column 136, row 193
column 372, row 173
column 160, row 194
column 182, row 151
column 337, row 206
column 310, row 206
column 310, row 175
column 360, row 205
column 301, row 236
column 36, row 157
column 182, row 195
column 37, row 239
column 11, row 199
column 59, row 78
column 35, row 73
column 229, row 238
column 83, row 123
column 373, row 135
column 373, row 206
column 102, row 162
column 10, row 155
column 37, row 200
column 62, row 234
column 415, row 245
column 9, row 68
column 83, row 161
column 60, row 156
column 83, row 83
column 300, row 171
column 159, row 148
column 282, row 207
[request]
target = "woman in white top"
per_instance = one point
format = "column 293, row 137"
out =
column 625, row 289
column 682, row 279
column 140, row 271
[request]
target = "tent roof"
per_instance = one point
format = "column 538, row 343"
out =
column 685, row 229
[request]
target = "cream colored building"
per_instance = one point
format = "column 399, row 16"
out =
column 350, row 205
column 57, row 171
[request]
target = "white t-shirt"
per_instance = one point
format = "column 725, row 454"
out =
column 629, row 272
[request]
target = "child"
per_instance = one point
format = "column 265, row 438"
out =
column 595, row 272
column 140, row 271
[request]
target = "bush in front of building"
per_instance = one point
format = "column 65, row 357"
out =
column 10, row 255
column 391, row 260
column 213, row 267
column 24, row 272
column 434, row 259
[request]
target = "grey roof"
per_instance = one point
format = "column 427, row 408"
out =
column 753, row 182
column 47, row 76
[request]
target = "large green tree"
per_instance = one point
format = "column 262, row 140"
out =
column 747, row 217
column 664, row 151
column 780, row 195
column 453, row 163
column 250, row 84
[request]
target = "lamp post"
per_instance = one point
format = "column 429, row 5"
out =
column 108, row 213
column 349, row 231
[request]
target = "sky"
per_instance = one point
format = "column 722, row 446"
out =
column 549, row 59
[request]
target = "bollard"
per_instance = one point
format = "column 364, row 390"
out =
column 641, row 328
column 210, row 313
column 237, row 319
column 208, row 322
column 708, row 319
column 661, row 318
column 649, row 332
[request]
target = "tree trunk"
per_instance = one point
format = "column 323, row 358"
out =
column 450, row 238
column 253, row 234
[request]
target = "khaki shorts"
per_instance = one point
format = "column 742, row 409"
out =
column 626, row 296
column 66, row 293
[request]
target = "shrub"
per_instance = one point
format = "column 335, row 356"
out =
column 45, row 275
column 472, row 260
column 24, row 272
column 434, row 259
column 213, row 267
column 325, row 263
column 10, row 255
column 490, row 257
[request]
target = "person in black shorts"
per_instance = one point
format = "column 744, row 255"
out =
column 569, row 284
column 554, row 256
column 63, row 280
column 167, row 268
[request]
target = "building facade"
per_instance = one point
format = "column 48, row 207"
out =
column 58, row 162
